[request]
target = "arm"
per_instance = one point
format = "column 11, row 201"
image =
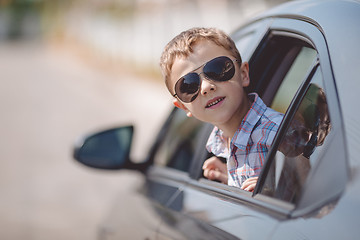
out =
column 215, row 169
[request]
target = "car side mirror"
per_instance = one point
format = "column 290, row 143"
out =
column 108, row 149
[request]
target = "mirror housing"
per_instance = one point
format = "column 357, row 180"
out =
column 109, row 149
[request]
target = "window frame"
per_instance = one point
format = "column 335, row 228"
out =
column 258, row 30
column 294, row 105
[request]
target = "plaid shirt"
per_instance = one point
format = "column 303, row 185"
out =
column 250, row 144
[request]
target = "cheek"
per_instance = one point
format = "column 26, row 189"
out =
column 236, row 81
column 196, row 110
column 235, row 90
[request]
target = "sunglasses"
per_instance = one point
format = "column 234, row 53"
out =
column 220, row 69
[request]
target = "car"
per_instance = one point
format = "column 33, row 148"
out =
column 304, row 62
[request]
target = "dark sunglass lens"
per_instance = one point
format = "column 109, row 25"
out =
column 190, row 83
column 187, row 87
column 220, row 69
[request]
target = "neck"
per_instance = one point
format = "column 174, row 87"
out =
column 229, row 128
column 229, row 131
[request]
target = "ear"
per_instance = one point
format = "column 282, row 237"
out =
column 180, row 105
column 244, row 69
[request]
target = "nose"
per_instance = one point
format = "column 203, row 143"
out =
column 207, row 86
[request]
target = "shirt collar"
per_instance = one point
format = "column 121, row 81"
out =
column 249, row 122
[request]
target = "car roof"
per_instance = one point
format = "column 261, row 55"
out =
column 338, row 20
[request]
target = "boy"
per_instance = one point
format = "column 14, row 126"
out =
column 204, row 72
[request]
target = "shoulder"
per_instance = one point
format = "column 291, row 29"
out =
column 270, row 115
column 266, row 128
column 264, row 113
column 266, row 121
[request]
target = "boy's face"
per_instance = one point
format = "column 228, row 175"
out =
column 219, row 103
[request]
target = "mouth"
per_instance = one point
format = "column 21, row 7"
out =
column 214, row 101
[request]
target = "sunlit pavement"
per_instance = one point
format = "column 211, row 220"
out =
column 48, row 98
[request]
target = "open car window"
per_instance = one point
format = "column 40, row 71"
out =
column 279, row 66
column 293, row 79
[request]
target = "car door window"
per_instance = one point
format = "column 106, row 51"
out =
column 301, row 145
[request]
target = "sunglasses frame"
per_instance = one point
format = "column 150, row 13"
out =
column 200, row 80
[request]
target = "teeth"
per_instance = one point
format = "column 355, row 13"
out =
column 215, row 102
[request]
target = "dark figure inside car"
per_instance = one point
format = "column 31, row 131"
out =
column 306, row 132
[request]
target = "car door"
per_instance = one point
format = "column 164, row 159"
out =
column 287, row 68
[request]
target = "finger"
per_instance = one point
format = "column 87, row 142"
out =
column 209, row 162
column 206, row 173
column 250, row 188
column 249, row 181
column 210, row 174
column 219, row 176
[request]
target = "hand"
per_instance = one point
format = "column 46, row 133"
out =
column 215, row 169
column 249, row 184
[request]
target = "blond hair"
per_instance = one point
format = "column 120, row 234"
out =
column 182, row 46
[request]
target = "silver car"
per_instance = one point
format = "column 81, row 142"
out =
column 304, row 59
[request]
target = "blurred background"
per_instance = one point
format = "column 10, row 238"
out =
column 70, row 67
